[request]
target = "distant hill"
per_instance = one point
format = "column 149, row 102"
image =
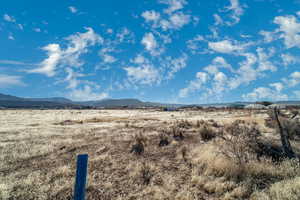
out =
column 113, row 103
column 8, row 101
column 4, row 97
column 288, row 102
column 35, row 104
column 131, row 103
column 53, row 99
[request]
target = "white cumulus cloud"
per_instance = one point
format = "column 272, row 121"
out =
column 263, row 93
column 173, row 65
column 278, row 86
column 86, row 94
column 194, row 85
column 289, row 29
column 225, row 46
column 289, row 59
column 151, row 44
column 172, row 18
column 145, row 74
column 173, row 5
column 78, row 44
column 48, row 66
column 151, row 16
column 237, row 11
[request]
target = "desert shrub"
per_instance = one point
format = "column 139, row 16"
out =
column 240, row 141
column 184, row 124
column 294, row 113
column 146, row 173
column 270, row 123
column 215, row 124
column 183, row 151
column 210, row 162
column 206, row 133
column 269, row 150
column 288, row 123
column 199, row 123
column 139, row 144
column 283, row 190
column 163, row 140
column 293, row 128
column 176, row 132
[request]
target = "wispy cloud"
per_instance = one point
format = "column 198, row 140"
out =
column 237, row 12
column 263, row 93
column 288, row 30
column 171, row 18
column 57, row 56
column 289, row 59
column 86, row 94
column 151, row 44
column 145, row 74
column 7, row 81
column 73, row 9
column 225, row 46
column 194, row 85
column 14, row 62
column 8, row 18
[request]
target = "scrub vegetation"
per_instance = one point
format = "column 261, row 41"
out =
column 150, row 154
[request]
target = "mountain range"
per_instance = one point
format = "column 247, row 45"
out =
column 9, row 101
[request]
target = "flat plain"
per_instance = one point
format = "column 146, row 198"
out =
column 143, row 154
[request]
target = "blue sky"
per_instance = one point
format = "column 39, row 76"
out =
column 179, row 51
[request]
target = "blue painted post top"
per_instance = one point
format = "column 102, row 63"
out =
column 81, row 176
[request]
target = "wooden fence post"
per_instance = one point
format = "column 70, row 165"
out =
column 284, row 136
column 81, row 176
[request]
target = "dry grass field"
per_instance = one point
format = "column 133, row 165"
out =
column 144, row 154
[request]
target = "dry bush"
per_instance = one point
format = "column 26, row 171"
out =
column 240, row 141
column 127, row 125
column 294, row 113
column 207, row 133
column 256, row 175
column 199, row 123
column 184, row 153
column 185, row 124
column 240, row 180
column 141, row 172
column 213, row 123
column 178, row 134
column 146, row 173
column 138, row 146
column 270, row 120
column 288, row 122
column 293, row 128
column 175, row 131
column 283, row 190
column 210, row 162
column 267, row 149
column 69, row 122
column 163, row 140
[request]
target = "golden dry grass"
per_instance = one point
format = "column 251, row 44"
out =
column 38, row 152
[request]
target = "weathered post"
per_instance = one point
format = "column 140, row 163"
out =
column 81, row 174
column 284, row 134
